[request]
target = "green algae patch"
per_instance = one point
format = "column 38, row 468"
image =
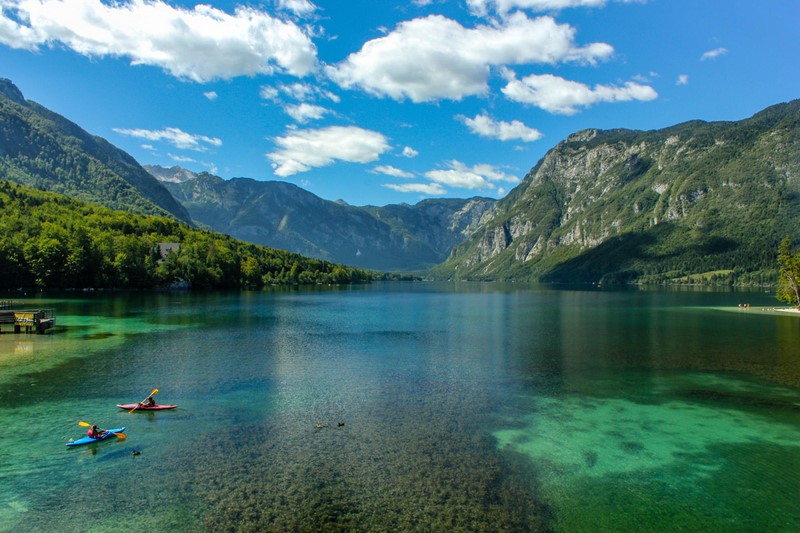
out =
column 615, row 464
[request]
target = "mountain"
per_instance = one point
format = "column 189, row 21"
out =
column 174, row 174
column 42, row 149
column 282, row 215
column 696, row 201
column 620, row 205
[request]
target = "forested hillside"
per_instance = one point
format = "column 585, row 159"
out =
column 52, row 241
column 42, row 149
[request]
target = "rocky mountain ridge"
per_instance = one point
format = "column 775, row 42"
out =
column 624, row 205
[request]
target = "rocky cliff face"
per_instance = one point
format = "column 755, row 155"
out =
column 691, row 198
column 282, row 215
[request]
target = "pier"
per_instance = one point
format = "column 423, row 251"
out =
column 38, row 321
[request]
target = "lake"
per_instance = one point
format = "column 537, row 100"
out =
column 405, row 407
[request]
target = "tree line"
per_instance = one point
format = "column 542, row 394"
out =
column 52, row 241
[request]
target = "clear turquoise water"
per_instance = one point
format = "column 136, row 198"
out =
column 464, row 408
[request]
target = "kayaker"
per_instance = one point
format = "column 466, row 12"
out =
column 94, row 432
column 149, row 402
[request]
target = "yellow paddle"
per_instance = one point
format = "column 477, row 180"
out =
column 88, row 425
column 140, row 403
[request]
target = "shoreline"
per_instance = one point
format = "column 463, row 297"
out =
column 791, row 310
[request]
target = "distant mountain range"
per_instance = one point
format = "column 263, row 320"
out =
column 694, row 202
column 281, row 215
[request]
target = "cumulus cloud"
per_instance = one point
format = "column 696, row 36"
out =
column 683, row 79
column 211, row 95
column 489, row 172
column 432, row 58
column 409, row 152
column 463, row 176
column 305, row 112
column 302, row 150
column 457, row 178
column 560, row 96
column 199, row 44
column 430, row 189
column 486, row 126
column 713, row 54
column 174, row 136
column 392, row 171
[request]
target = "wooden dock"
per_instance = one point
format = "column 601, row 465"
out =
column 30, row 320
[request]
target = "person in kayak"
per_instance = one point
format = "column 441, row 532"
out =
column 94, row 432
column 149, row 402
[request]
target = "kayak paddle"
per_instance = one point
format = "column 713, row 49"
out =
column 140, row 403
column 88, row 425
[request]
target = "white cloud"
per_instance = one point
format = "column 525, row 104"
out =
column 268, row 93
column 303, row 92
column 489, row 172
column 713, row 54
column 558, row 95
column 181, row 158
column 430, row 189
column 645, row 78
column 463, row 176
column 392, row 171
column 298, row 91
column 298, row 7
column 482, row 7
column 458, row 178
column 304, row 112
column 302, row 150
column 200, row 44
column 174, row 136
column 683, row 79
column 409, row 152
column 486, row 126
column 211, row 95
column 17, row 34
column 432, row 58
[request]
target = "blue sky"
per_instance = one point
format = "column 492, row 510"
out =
column 378, row 102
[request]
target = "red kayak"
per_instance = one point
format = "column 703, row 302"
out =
column 140, row 407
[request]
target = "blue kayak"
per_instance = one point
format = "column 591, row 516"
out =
column 88, row 440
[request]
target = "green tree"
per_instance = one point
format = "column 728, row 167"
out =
column 789, row 277
column 250, row 272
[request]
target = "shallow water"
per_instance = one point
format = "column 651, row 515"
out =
column 441, row 408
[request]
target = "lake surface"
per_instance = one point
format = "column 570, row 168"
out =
column 441, row 407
